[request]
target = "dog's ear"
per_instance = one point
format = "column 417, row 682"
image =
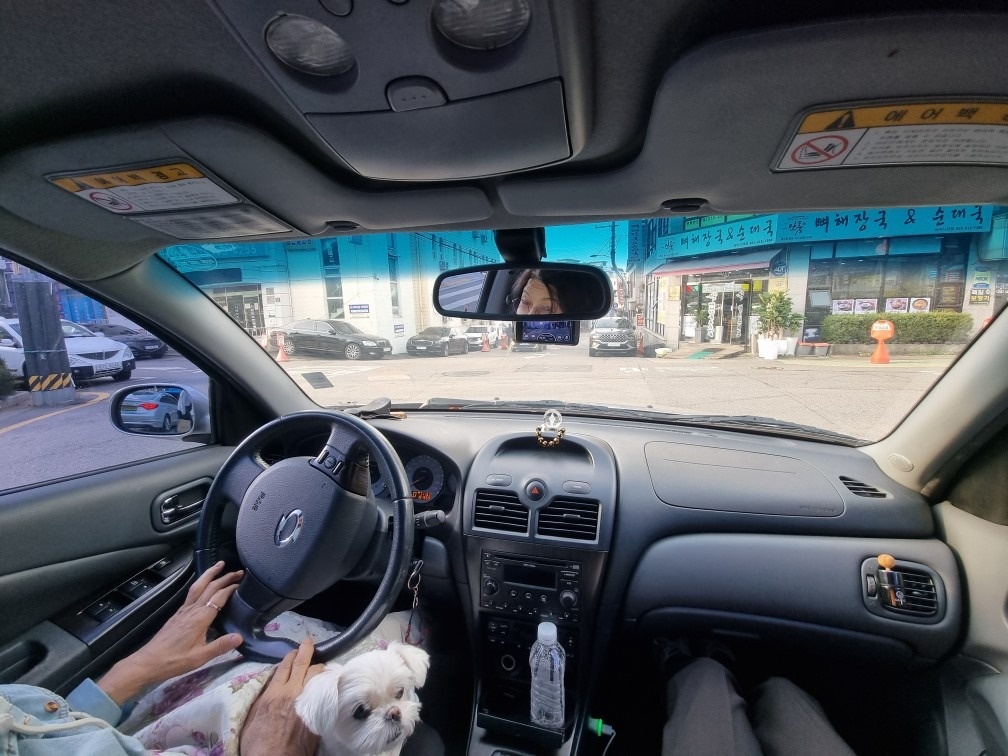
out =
column 318, row 704
column 417, row 661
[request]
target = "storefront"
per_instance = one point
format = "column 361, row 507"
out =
column 917, row 259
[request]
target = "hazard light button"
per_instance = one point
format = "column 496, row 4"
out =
column 535, row 490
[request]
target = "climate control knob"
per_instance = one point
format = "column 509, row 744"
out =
column 568, row 599
column 490, row 586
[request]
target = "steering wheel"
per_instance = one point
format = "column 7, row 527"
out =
column 305, row 524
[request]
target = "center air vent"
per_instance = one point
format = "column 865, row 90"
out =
column 500, row 510
column 858, row 488
column 576, row 519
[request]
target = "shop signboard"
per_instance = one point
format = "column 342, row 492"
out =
column 824, row 226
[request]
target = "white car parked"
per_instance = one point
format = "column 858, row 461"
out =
column 91, row 356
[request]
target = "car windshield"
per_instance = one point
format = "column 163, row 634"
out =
column 73, row 330
column 612, row 323
column 344, row 327
column 690, row 297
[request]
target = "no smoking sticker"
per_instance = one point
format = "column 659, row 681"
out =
column 898, row 134
column 818, row 149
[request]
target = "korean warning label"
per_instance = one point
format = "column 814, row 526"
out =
column 894, row 134
column 174, row 186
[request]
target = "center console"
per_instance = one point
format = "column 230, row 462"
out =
column 537, row 526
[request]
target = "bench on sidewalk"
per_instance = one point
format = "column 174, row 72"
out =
column 813, row 349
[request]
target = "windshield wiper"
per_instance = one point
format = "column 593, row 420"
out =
column 748, row 423
column 533, row 405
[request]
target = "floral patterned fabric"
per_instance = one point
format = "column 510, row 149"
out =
column 203, row 712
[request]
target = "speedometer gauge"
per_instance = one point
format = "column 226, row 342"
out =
column 426, row 477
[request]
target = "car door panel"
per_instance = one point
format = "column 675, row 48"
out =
column 81, row 541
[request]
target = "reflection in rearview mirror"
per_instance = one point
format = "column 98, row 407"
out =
column 165, row 411
column 510, row 292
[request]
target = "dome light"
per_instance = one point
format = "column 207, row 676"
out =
column 481, row 24
column 309, row 46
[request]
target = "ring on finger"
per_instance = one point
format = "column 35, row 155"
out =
column 211, row 603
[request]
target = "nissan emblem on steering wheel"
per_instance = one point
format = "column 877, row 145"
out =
column 289, row 528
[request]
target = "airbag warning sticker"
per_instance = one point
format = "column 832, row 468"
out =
column 899, row 134
column 177, row 186
column 173, row 198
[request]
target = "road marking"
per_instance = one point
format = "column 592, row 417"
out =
column 100, row 397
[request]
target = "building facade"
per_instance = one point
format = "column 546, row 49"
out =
column 698, row 278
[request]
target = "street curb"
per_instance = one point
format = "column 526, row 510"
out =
column 17, row 399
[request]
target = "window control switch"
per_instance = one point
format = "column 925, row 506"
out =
column 138, row 586
column 105, row 608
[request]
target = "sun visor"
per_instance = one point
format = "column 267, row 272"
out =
column 204, row 179
column 723, row 128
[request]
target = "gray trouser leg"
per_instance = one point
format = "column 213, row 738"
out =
column 789, row 722
column 707, row 716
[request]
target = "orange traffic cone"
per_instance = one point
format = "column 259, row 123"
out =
column 486, row 343
column 504, row 341
column 281, row 354
column 640, row 345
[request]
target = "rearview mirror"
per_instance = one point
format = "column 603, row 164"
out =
column 519, row 292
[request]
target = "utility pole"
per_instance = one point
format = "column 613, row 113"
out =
column 47, row 366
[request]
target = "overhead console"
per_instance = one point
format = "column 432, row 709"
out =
column 537, row 525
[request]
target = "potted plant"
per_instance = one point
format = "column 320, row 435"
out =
column 776, row 314
column 701, row 315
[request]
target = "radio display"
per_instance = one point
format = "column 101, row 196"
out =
column 526, row 575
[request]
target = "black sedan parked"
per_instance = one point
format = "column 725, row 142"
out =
column 140, row 343
column 440, row 340
column 330, row 337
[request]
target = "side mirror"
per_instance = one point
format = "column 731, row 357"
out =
column 519, row 292
column 158, row 409
column 6, row 342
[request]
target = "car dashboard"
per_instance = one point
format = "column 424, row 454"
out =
column 630, row 530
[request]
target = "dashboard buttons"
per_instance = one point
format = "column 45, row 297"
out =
column 577, row 487
column 535, row 490
column 498, row 479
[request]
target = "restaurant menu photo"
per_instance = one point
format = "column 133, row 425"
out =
column 865, row 305
column 897, row 304
column 843, row 306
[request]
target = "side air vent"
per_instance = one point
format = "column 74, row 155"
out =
column 858, row 488
column 576, row 519
column 912, row 593
column 500, row 510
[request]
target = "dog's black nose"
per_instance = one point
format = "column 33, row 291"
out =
column 394, row 714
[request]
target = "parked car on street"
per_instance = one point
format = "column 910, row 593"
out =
column 611, row 336
column 438, row 340
column 474, row 335
column 140, row 343
column 91, row 356
column 332, row 337
column 150, row 410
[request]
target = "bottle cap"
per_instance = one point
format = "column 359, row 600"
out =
column 547, row 632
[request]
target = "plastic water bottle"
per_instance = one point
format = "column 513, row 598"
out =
column 546, row 662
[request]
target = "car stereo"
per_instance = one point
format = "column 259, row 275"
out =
column 547, row 589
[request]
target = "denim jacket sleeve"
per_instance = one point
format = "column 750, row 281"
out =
column 37, row 722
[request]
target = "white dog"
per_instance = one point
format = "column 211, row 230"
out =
column 364, row 703
column 367, row 706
